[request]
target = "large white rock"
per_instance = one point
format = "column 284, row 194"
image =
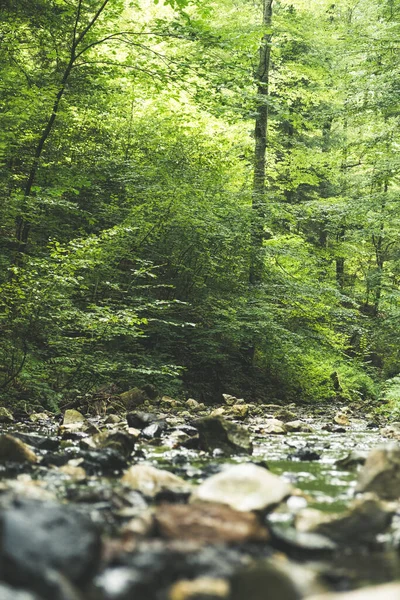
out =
column 244, row 487
column 150, row 481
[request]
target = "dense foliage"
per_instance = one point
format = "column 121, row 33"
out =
column 132, row 217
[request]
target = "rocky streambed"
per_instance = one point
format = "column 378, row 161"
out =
column 242, row 502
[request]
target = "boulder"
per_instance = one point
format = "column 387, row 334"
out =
column 239, row 411
column 140, row 419
column 42, row 538
column 151, row 481
column 389, row 591
column 133, row 398
column 230, row 400
column 208, row 523
column 71, row 417
column 381, row 473
column 284, row 414
column 14, row 450
column 216, row 432
column 194, row 406
column 5, row 415
column 123, row 443
column 274, row 426
column 366, row 518
column 298, row 426
column 218, row 412
column 244, row 487
column 38, row 417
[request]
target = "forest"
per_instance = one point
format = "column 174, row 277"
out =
column 201, row 196
column 199, row 300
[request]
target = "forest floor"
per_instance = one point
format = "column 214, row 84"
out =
column 281, row 503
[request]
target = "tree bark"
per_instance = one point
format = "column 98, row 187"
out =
column 261, row 77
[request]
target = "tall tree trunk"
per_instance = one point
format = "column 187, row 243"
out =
column 261, row 77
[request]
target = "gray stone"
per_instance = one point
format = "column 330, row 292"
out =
column 381, row 473
column 243, row 487
column 366, row 518
column 216, row 432
column 42, row 539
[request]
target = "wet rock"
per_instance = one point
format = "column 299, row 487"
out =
column 208, row 523
column 194, row 406
column 243, row 487
column 218, row 412
column 342, row 419
column 202, row 588
column 381, row 473
column 39, row 417
column 216, row 432
column 141, row 419
column 168, row 402
column 352, row 460
column 333, row 428
column 389, row 591
column 112, row 419
column 133, row 398
column 5, row 415
column 239, row 411
column 13, row 450
column 40, row 538
column 72, row 417
column 264, row 581
column 298, row 426
column 156, row 565
column 274, row 426
column 230, row 400
column 41, row 442
column 366, row 518
column 151, row 481
column 306, row 453
column 154, row 430
column 95, row 462
column 121, row 442
column 300, row 545
column 391, row 431
column 284, row 414
column 73, row 470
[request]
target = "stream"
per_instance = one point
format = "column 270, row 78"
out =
column 77, row 465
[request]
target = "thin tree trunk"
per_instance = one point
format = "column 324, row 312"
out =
column 23, row 224
column 261, row 77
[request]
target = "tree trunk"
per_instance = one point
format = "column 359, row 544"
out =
column 23, row 224
column 261, row 77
